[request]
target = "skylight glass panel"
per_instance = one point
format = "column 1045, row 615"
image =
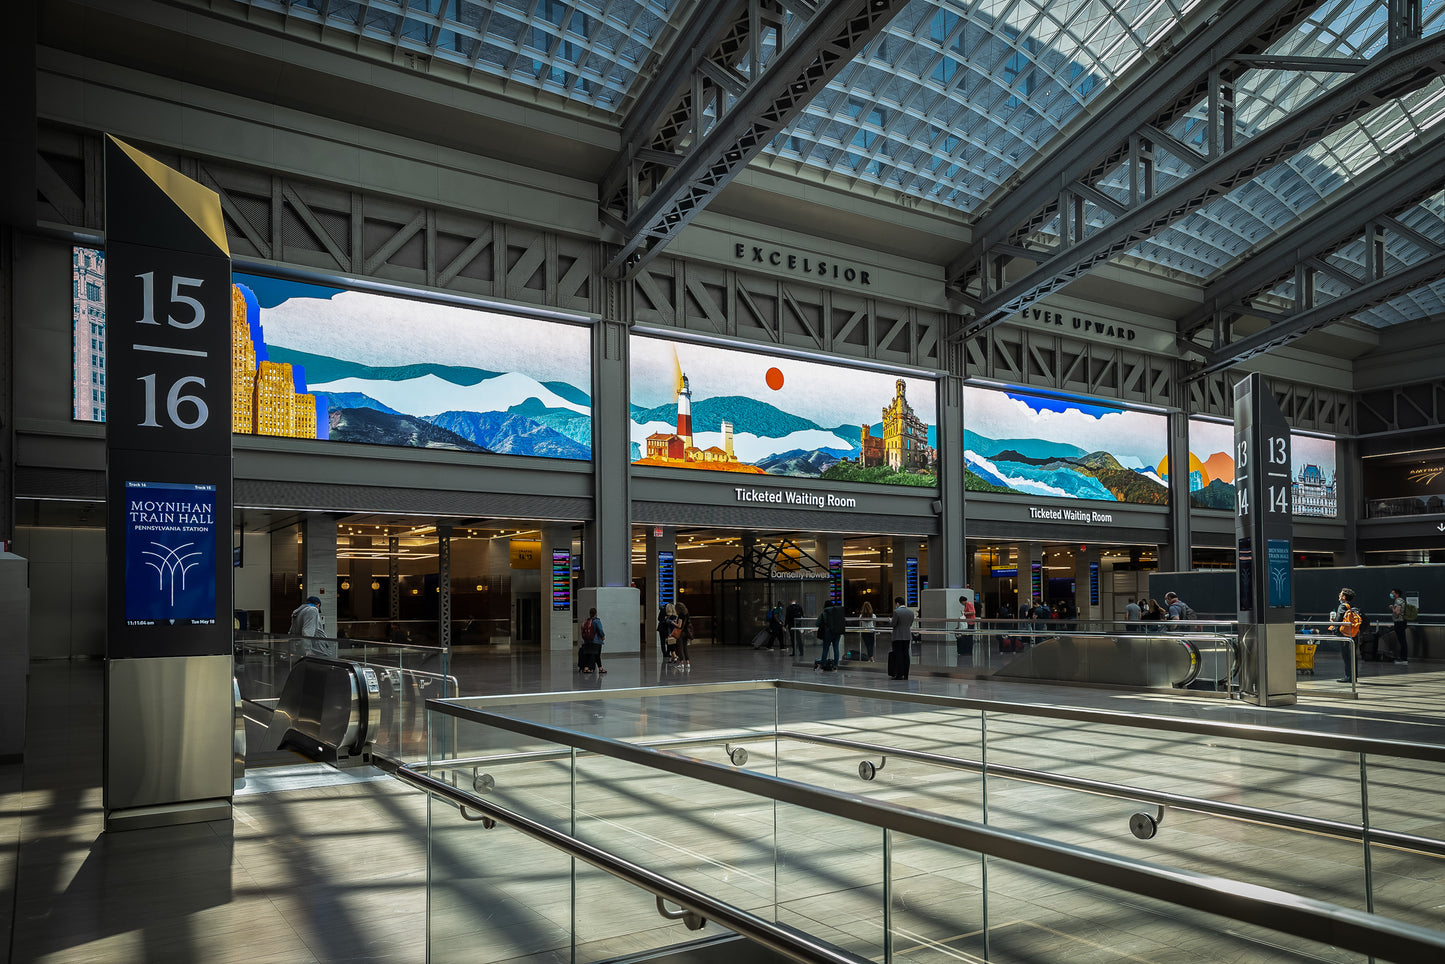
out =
column 589, row 51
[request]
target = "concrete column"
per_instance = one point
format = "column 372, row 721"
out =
column 948, row 551
column 1175, row 556
column 903, row 549
column 558, row 627
column 318, row 543
column 825, row 546
column 607, row 542
column 1025, row 579
column 444, row 588
column 667, row 542
column 1082, row 561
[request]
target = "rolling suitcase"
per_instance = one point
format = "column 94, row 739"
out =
column 898, row 664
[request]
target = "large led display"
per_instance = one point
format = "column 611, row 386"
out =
column 352, row 366
column 726, row 410
column 1211, row 470
column 1066, row 448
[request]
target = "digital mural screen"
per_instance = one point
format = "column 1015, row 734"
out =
column 355, row 366
column 170, row 554
column 1062, row 447
column 728, row 410
column 313, row 361
column 1211, row 470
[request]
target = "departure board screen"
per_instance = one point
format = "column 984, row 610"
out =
column 911, row 574
column 666, row 586
column 835, row 580
column 561, row 580
column 1093, row 584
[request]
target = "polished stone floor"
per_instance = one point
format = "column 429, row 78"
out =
column 320, row 865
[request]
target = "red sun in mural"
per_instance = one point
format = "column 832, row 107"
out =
column 775, row 379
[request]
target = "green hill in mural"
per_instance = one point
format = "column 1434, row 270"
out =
column 852, row 472
column 974, row 482
column 1126, row 484
column 1218, row 494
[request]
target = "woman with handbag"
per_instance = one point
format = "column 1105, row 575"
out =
column 669, row 627
column 684, row 634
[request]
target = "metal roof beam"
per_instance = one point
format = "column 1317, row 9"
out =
column 801, row 70
column 1164, row 92
column 1303, row 322
column 1395, row 189
column 1392, row 75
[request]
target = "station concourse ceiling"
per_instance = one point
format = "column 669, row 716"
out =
column 1269, row 170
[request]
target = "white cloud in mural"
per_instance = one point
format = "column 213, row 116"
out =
column 378, row 330
column 1137, row 439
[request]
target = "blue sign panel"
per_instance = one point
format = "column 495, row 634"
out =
column 835, row 580
column 1279, row 572
column 665, row 578
column 910, row 571
column 1093, row 584
column 170, row 554
column 1038, row 581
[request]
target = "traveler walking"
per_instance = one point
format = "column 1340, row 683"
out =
column 902, row 640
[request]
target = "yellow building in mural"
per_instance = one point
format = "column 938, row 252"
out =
column 264, row 396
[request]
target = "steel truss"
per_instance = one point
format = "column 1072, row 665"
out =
column 732, row 105
column 978, row 276
column 1402, row 408
column 1301, row 252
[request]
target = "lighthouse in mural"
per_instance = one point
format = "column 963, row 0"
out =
column 684, row 411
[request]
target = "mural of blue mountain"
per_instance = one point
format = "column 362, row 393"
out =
column 802, row 464
column 1049, row 480
column 1031, row 447
column 510, row 434
column 321, row 369
column 571, row 393
column 375, row 427
column 574, row 425
column 982, row 471
column 747, row 415
column 636, row 452
column 354, row 400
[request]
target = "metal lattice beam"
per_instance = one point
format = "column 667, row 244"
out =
column 1392, row 191
column 1303, row 322
column 1390, row 76
column 823, row 48
column 1169, row 89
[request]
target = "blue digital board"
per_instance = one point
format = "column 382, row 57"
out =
column 561, row 580
column 911, row 575
column 666, row 569
column 170, row 554
column 835, row 580
column 1279, row 572
column 1093, row 584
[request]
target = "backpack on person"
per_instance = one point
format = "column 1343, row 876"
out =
column 1412, row 611
column 1350, row 621
column 589, row 631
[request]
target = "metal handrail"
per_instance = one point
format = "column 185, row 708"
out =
column 1161, row 798
column 1249, row 903
column 1252, row 732
column 793, row 943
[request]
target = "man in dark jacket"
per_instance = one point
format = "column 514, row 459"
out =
column 902, row 638
column 831, row 623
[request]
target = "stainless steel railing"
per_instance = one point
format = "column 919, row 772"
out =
column 1267, row 907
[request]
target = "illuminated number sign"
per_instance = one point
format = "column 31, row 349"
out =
column 665, row 578
column 910, row 569
column 835, row 580
column 561, row 580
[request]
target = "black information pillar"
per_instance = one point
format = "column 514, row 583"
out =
column 168, row 531
column 1264, row 528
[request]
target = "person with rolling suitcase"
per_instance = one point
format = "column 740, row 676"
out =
column 898, row 659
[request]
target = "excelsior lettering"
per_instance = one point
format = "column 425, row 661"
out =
column 802, row 264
